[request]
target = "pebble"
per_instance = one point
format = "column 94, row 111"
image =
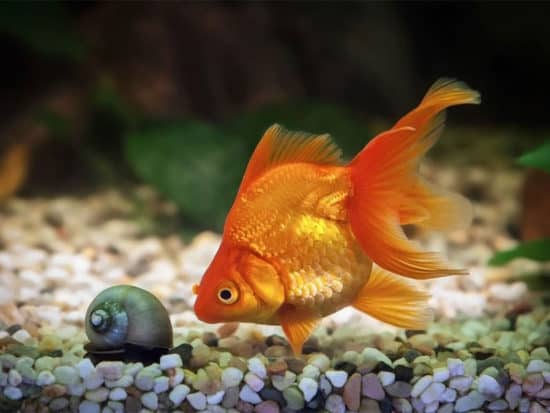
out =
column 373, row 354
column 371, row 387
column 497, row 405
column 161, row 384
column 282, row 382
column 311, row 371
column 118, row 394
column 337, row 377
column 267, row 406
column 93, row 380
column 537, row 366
column 110, row 370
column 88, row 406
column 402, row 405
column 533, row 383
column 14, row 378
column 215, row 398
column 386, row 377
column 309, row 388
column 254, row 381
column 13, row 393
column 293, row 397
column 59, row 403
column 197, row 400
column 471, row 401
column 320, row 360
column 145, row 379
column 335, row 404
column 231, row 377
column 441, row 374
column 352, row 392
column 170, row 361
column 85, row 367
column 256, row 366
column 432, row 393
column 449, row 395
column 97, row 395
column 455, row 366
column 248, row 395
column 45, row 378
column 231, row 397
column 399, row 389
column 21, row 335
column 66, row 375
column 421, row 385
column 489, row 387
column 150, row 400
column 461, row 383
column 178, row 394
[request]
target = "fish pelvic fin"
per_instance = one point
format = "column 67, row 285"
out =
column 387, row 191
column 298, row 324
column 394, row 300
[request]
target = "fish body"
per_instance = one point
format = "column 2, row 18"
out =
column 308, row 235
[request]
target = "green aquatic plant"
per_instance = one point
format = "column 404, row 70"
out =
column 538, row 250
column 199, row 165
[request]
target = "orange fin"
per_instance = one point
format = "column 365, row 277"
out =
column 388, row 192
column 279, row 146
column 394, row 300
column 297, row 325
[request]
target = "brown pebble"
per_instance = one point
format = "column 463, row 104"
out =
column 295, row 365
column 268, row 406
column 54, row 390
column 227, row 329
column 533, row 383
column 132, row 404
column 244, row 407
column 352, row 392
column 276, row 351
column 231, row 397
column 277, row 367
column 238, row 363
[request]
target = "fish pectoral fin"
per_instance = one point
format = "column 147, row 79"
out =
column 394, row 300
column 298, row 325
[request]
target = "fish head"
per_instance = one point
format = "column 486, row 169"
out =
column 238, row 286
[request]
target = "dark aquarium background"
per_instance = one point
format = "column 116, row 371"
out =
column 125, row 128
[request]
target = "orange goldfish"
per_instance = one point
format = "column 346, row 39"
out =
column 301, row 238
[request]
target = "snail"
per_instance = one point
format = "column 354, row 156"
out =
column 129, row 323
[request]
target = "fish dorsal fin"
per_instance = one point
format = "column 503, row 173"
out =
column 279, row 146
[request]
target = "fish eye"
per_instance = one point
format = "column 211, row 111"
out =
column 228, row 295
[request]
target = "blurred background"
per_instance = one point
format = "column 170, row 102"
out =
column 177, row 94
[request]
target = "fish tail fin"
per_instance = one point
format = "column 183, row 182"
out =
column 394, row 300
column 387, row 191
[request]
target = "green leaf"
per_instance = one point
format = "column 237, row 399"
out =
column 314, row 117
column 45, row 27
column 192, row 163
column 539, row 158
column 538, row 250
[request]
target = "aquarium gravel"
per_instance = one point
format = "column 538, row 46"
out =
column 486, row 351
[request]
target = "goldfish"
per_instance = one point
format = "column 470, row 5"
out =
column 308, row 235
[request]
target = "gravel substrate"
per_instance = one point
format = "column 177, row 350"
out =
column 487, row 350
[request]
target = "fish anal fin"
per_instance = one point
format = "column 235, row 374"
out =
column 298, row 324
column 394, row 300
column 279, row 146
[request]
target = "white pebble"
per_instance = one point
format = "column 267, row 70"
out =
column 14, row 378
column 89, row 407
column 45, row 378
column 386, row 378
column 256, row 366
column 85, row 367
column 170, row 361
column 488, row 386
column 282, row 382
column 449, row 395
column 125, row 381
column 21, row 335
column 311, row 371
column 461, row 383
column 249, row 395
column 177, row 395
column 13, row 393
column 118, row 393
column 150, row 400
column 231, row 377
column 254, row 381
column 215, row 398
column 77, row 389
column 177, row 378
column 161, row 384
column 309, row 388
column 373, row 354
column 117, row 407
column 441, row 374
column 66, row 375
column 320, row 360
column 337, row 377
column 455, row 366
column 421, row 385
column 93, row 381
column 537, row 366
column 197, row 400
column 432, row 393
column 110, row 370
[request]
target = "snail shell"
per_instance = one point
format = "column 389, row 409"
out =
column 125, row 314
